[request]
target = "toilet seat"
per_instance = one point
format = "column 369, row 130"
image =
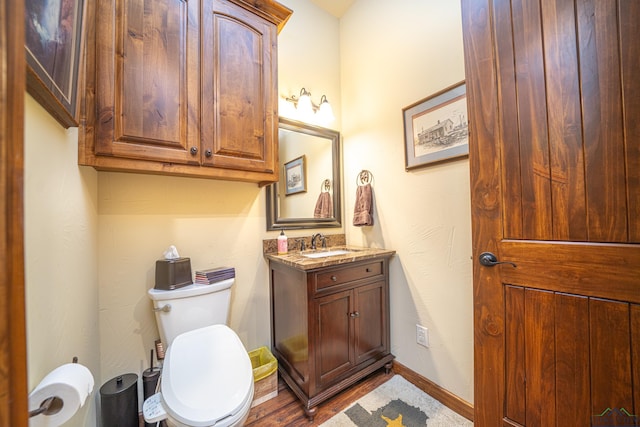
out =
column 207, row 377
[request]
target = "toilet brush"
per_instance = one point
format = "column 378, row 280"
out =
column 150, row 379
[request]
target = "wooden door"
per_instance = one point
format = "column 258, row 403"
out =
column 334, row 336
column 370, row 321
column 555, row 177
column 148, row 80
column 239, row 89
column 13, row 359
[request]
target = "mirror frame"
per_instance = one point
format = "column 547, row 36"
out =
column 274, row 221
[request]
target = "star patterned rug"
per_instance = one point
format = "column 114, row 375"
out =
column 397, row 403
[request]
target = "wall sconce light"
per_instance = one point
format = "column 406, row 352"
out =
column 304, row 109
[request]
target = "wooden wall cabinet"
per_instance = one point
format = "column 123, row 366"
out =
column 330, row 326
column 183, row 87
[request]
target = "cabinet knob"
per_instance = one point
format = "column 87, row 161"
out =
column 194, row 150
column 334, row 278
column 354, row 314
column 208, row 153
column 368, row 270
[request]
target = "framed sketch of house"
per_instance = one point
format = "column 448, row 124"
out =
column 436, row 128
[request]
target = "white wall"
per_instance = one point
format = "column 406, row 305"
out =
column 61, row 246
column 309, row 55
column 392, row 55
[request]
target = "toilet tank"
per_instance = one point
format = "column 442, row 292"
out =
column 190, row 307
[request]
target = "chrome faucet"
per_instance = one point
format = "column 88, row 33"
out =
column 321, row 236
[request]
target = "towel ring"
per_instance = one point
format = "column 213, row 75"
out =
column 364, row 177
column 325, row 186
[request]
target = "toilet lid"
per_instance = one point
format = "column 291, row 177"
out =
column 207, row 376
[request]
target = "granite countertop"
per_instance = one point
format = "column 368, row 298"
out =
column 297, row 259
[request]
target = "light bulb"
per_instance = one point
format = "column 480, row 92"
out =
column 305, row 107
column 325, row 112
column 287, row 109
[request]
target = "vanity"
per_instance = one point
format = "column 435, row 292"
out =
column 329, row 319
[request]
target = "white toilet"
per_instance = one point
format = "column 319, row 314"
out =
column 207, row 378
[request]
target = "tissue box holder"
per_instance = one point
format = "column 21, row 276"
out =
column 173, row 273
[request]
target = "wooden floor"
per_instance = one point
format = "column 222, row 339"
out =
column 286, row 410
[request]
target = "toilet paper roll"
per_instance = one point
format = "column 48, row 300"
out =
column 72, row 383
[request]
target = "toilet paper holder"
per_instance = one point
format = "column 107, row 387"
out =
column 51, row 405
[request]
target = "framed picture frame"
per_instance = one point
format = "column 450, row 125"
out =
column 295, row 176
column 436, row 128
column 53, row 45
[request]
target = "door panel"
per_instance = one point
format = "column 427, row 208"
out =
column 554, row 134
column 635, row 353
column 153, row 99
column 539, row 358
column 611, row 381
column 370, row 325
column 572, row 355
column 515, row 354
column 566, row 354
column 598, row 270
column 602, row 120
column 564, row 127
column 533, row 162
column 238, row 102
column 334, row 336
column 630, row 60
column 148, row 68
column 557, row 167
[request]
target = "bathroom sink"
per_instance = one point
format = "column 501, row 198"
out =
column 324, row 254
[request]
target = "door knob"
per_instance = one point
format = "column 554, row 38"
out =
column 489, row 260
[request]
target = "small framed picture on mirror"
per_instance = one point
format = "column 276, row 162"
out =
column 295, row 176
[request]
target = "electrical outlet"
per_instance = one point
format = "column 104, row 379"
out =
column 422, row 335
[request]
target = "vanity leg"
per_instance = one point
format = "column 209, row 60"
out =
column 387, row 367
column 311, row 412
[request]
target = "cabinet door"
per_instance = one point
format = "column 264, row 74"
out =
column 371, row 323
column 239, row 82
column 147, row 74
column 334, row 336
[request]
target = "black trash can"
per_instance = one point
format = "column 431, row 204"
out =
column 119, row 401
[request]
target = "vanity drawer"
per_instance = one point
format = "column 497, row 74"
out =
column 326, row 279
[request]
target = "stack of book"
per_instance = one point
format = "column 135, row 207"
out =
column 218, row 274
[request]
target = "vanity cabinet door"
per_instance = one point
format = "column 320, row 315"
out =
column 334, row 336
column 352, row 328
column 239, row 96
column 371, row 337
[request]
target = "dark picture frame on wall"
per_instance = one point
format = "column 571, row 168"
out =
column 295, row 176
column 436, row 128
column 53, row 45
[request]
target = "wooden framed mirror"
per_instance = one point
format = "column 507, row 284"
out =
column 314, row 182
